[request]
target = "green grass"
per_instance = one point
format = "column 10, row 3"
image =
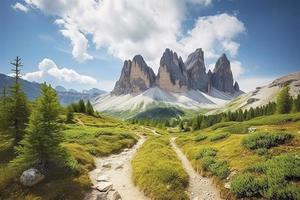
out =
column 215, row 157
column 86, row 138
column 219, row 136
column 158, row 172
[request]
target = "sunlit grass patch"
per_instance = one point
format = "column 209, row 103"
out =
column 158, row 172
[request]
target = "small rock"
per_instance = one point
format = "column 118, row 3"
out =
column 106, row 165
column 113, row 195
column 231, row 175
column 126, row 149
column 119, row 165
column 227, row 185
column 251, row 129
column 31, row 177
column 103, row 178
column 104, row 186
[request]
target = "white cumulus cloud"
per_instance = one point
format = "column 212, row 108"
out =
column 129, row 27
column 248, row 84
column 19, row 6
column 50, row 72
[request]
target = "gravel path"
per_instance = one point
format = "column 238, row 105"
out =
column 115, row 170
column 200, row 188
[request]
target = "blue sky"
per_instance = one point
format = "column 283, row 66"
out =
column 82, row 44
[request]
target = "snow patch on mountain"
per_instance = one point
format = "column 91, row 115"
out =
column 192, row 99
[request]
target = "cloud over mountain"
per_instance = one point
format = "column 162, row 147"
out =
column 128, row 27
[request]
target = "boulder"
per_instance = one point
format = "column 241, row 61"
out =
column 103, row 178
column 104, row 186
column 113, row 195
column 106, row 165
column 31, row 177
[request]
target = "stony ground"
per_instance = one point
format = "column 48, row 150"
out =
column 112, row 177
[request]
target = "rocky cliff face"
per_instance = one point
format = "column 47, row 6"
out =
column 172, row 75
column 135, row 77
column 196, row 71
column 176, row 76
column 222, row 78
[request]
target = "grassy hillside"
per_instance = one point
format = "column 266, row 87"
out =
column 87, row 137
column 232, row 156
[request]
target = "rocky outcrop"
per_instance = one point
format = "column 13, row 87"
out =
column 196, row 71
column 236, row 87
column 135, row 77
column 31, row 177
column 172, row 75
column 222, row 78
column 176, row 76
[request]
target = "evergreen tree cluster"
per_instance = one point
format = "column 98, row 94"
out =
column 82, row 107
column 37, row 135
column 41, row 146
column 284, row 104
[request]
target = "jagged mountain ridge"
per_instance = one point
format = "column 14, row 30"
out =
column 174, row 75
column 178, row 84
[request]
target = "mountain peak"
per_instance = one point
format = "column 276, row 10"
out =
column 222, row 78
column 172, row 74
column 135, row 77
column 197, row 71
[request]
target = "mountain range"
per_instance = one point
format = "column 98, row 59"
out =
column 186, row 85
column 32, row 90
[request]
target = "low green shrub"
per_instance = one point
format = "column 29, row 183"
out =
column 262, row 151
column 206, row 162
column 273, row 179
column 208, row 151
column 218, row 136
column 246, row 185
column 199, row 138
column 220, row 168
column 265, row 140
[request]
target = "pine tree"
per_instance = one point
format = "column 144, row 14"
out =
column 195, row 123
column 70, row 114
column 284, row 101
column 18, row 111
column 41, row 145
column 4, row 100
column 89, row 108
column 296, row 104
column 81, row 106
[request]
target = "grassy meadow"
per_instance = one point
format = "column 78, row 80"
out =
column 255, row 165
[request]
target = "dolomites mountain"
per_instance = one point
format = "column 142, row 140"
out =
column 222, row 78
column 184, row 85
column 174, row 75
column 196, row 71
column 135, row 78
